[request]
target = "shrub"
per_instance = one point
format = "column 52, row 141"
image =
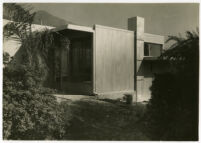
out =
column 173, row 110
column 29, row 111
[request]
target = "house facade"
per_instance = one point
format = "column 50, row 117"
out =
column 111, row 62
column 108, row 62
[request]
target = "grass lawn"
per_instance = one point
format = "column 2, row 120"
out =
column 93, row 119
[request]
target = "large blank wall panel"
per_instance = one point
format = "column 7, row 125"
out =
column 114, row 60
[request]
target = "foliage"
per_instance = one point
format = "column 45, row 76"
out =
column 6, row 58
column 173, row 109
column 39, row 50
column 29, row 110
column 21, row 20
column 39, row 46
column 184, row 53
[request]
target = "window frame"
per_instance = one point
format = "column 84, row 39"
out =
column 149, row 47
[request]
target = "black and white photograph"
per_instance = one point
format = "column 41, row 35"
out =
column 100, row 71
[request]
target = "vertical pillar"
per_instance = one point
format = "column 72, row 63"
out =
column 136, row 24
column 61, row 70
column 64, row 60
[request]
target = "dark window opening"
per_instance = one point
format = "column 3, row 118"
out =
column 153, row 50
column 146, row 49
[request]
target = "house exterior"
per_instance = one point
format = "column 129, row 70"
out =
column 109, row 62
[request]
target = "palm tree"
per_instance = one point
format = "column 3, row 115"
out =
column 184, row 53
column 38, row 46
column 173, row 108
column 184, row 56
column 21, row 21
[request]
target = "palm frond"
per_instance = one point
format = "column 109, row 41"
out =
column 184, row 48
column 174, row 38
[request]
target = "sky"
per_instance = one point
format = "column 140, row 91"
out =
column 163, row 19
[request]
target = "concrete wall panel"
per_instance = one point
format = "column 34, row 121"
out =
column 153, row 38
column 114, row 60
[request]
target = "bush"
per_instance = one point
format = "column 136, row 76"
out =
column 29, row 111
column 173, row 110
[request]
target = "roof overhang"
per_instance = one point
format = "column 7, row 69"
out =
column 153, row 38
column 74, row 27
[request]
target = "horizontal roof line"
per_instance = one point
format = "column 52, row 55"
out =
column 74, row 27
column 107, row 27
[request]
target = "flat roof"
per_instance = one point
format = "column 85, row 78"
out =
column 153, row 38
column 85, row 28
column 107, row 27
column 74, row 27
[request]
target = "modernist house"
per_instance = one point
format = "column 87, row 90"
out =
column 109, row 62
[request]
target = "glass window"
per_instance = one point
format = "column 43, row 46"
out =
column 151, row 49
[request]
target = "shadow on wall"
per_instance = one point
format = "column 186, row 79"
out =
column 149, row 68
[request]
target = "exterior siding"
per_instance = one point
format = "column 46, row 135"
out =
column 146, row 73
column 119, row 65
column 114, row 60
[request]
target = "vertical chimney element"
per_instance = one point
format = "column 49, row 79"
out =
column 137, row 24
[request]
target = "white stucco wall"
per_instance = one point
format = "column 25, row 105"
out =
column 146, row 74
column 145, row 70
